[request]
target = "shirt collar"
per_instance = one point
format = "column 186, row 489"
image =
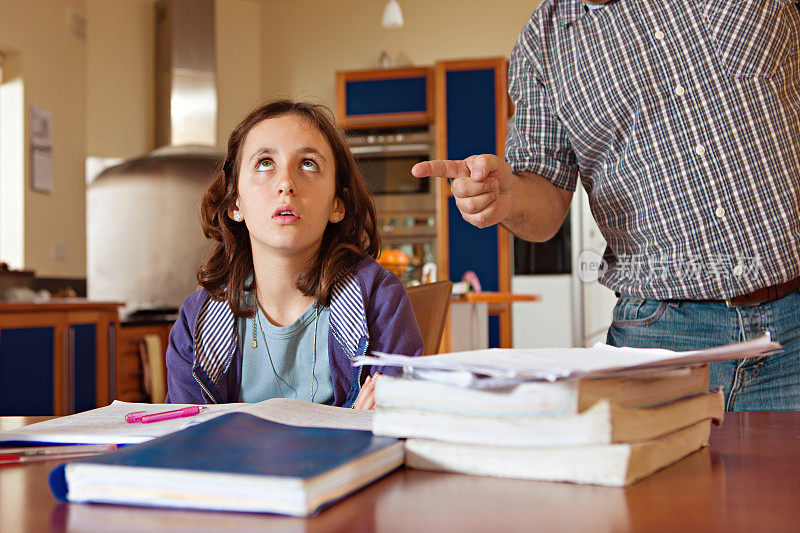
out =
column 571, row 10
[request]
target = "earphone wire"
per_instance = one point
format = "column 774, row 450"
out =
column 263, row 336
column 269, row 355
column 314, row 361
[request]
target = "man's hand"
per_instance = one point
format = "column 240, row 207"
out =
column 366, row 396
column 481, row 186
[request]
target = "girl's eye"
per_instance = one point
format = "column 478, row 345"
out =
column 265, row 164
column 310, row 164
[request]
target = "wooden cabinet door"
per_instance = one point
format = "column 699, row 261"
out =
column 89, row 358
column 31, row 366
column 83, row 366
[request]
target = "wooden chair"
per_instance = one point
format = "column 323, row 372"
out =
column 154, row 369
column 431, row 303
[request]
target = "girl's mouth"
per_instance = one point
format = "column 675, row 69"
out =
column 285, row 215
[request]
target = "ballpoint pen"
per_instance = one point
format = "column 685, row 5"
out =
column 13, row 459
column 144, row 418
column 50, row 453
column 68, row 449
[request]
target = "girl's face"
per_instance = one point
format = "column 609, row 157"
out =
column 287, row 187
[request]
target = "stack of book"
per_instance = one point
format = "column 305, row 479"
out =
column 611, row 425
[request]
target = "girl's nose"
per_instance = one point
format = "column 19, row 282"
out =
column 285, row 184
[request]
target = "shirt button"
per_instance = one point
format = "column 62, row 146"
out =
column 679, row 90
column 738, row 270
column 700, row 149
column 659, row 35
column 720, row 212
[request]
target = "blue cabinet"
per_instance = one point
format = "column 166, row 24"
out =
column 83, row 366
column 26, row 371
column 384, row 98
column 472, row 118
column 56, row 358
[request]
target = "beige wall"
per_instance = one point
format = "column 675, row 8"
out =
column 121, row 82
column 120, row 78
column 239, row 65
column 101, row 93
column 307, row 41
column 52, row 67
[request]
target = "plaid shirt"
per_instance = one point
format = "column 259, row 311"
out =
column 683, row 120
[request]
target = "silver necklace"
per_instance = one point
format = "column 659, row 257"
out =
column 278, row 380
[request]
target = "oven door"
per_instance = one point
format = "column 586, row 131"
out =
column 387, row 171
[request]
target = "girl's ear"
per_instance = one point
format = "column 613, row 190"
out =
column 337, row 213
column 233, row 212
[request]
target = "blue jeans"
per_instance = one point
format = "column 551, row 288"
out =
column 769, row 383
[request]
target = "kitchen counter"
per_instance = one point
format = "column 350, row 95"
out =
column 58, row 304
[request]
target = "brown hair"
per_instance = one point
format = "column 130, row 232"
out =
column 344, row 244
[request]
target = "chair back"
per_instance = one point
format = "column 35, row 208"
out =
column 154, row 374
column 431, row 302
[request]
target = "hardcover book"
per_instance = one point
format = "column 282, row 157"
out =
column 235, row 462
column 603, row 423
column 616, row 465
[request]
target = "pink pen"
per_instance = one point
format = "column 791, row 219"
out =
column 167, row 415
column 136, row 416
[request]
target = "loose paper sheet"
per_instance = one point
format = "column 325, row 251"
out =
column 106, row 425
column 507, row 365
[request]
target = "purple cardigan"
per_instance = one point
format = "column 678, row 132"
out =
column 370, row 311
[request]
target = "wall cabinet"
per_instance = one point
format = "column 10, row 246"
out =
column 56, row 358
column 384, row 98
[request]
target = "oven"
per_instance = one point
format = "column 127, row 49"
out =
column 385, row 159
column 405, row 205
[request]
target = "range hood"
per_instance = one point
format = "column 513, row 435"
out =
column 186, row 78
column 144, row 240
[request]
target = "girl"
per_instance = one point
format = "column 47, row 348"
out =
column 291, row 292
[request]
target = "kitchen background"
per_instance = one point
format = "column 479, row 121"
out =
column 91, row 64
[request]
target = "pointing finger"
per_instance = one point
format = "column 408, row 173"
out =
column 441, row 168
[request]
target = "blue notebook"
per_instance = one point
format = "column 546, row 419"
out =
column 235, row 462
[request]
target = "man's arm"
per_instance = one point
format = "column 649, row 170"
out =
column 487, row 193
column 538, row 208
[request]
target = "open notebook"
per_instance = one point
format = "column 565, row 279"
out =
column 106, row 425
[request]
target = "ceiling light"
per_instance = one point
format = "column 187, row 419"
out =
column 392, row 15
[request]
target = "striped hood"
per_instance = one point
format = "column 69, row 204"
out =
column 370, row 310
column 216, row 338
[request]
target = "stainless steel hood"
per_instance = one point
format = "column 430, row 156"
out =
column 186, row 78
column 144, row 240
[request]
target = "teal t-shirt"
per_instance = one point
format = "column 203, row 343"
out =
column 300, row 373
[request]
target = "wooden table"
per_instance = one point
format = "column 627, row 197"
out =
column 748, row 480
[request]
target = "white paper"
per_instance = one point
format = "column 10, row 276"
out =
column 41, row 145
column 106, row 425
column 505, row 365
column 42, row 170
